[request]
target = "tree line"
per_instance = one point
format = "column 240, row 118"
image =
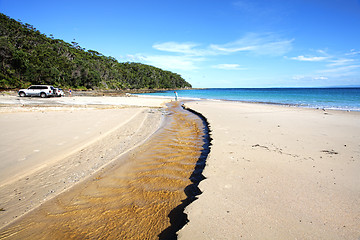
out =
column 30, row 57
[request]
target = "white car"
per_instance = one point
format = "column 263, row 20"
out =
column 59, row 92
column 38, row 90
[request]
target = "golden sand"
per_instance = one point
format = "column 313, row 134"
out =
column 131, row 198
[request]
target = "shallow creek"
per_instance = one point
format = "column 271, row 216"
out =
column 139, row 196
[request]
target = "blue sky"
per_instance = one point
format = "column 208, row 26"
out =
column 239, row 43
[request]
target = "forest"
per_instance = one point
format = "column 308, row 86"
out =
column 30, row 57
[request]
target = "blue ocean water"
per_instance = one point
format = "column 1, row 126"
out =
column 328, row 98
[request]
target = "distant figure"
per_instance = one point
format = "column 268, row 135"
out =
column 176, row 96
column 69, row 92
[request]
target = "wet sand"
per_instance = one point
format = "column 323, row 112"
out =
column 277, row 172
column 131, row 198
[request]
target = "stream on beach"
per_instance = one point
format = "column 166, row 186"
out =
column 140, row 196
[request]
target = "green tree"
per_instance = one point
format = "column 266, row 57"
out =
column 29, row 57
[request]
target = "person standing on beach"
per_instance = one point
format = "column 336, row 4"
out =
column 176, row 96
column 69, row 92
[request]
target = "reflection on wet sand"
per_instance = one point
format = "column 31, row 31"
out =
column 132, row 198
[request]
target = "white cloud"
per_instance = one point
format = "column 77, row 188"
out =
column 340, row 62
column 344, row 70
column 334, row 65
column 172, row 62
column 227, row 66
column 261, row 44
column 309, row 77
column 322, row 55
column 298, row 77
column 185, row 48
column 133, row 58
column 309, row 59
column 322, row 52
column 320, row 78
column 231, row 49
column 353, row 52
column 187, row 55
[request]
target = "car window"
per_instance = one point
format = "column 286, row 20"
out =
column 32, row 87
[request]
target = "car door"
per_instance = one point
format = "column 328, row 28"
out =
column 32, row 91
column 43, row 89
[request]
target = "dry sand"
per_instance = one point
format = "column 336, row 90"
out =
column 48, row 145
column 277, row 172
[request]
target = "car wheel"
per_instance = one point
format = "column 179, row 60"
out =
column 22, row 94
column 43, row 95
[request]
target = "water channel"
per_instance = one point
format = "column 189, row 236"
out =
column 140, row 196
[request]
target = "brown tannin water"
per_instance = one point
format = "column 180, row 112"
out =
column 130, row 199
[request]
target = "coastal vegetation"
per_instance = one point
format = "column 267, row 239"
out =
column 30, row 57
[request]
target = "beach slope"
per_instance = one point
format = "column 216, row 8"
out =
column 277, row 172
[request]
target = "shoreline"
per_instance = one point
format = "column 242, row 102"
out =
column 253, row 102
column 318, row 99
column 8, row 100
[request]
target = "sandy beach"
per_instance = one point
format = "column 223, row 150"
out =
column 49, row 145
column 125, row 185
column 273, row 172
column 278, row 172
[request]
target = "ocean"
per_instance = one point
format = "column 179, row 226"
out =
column 328, row 98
